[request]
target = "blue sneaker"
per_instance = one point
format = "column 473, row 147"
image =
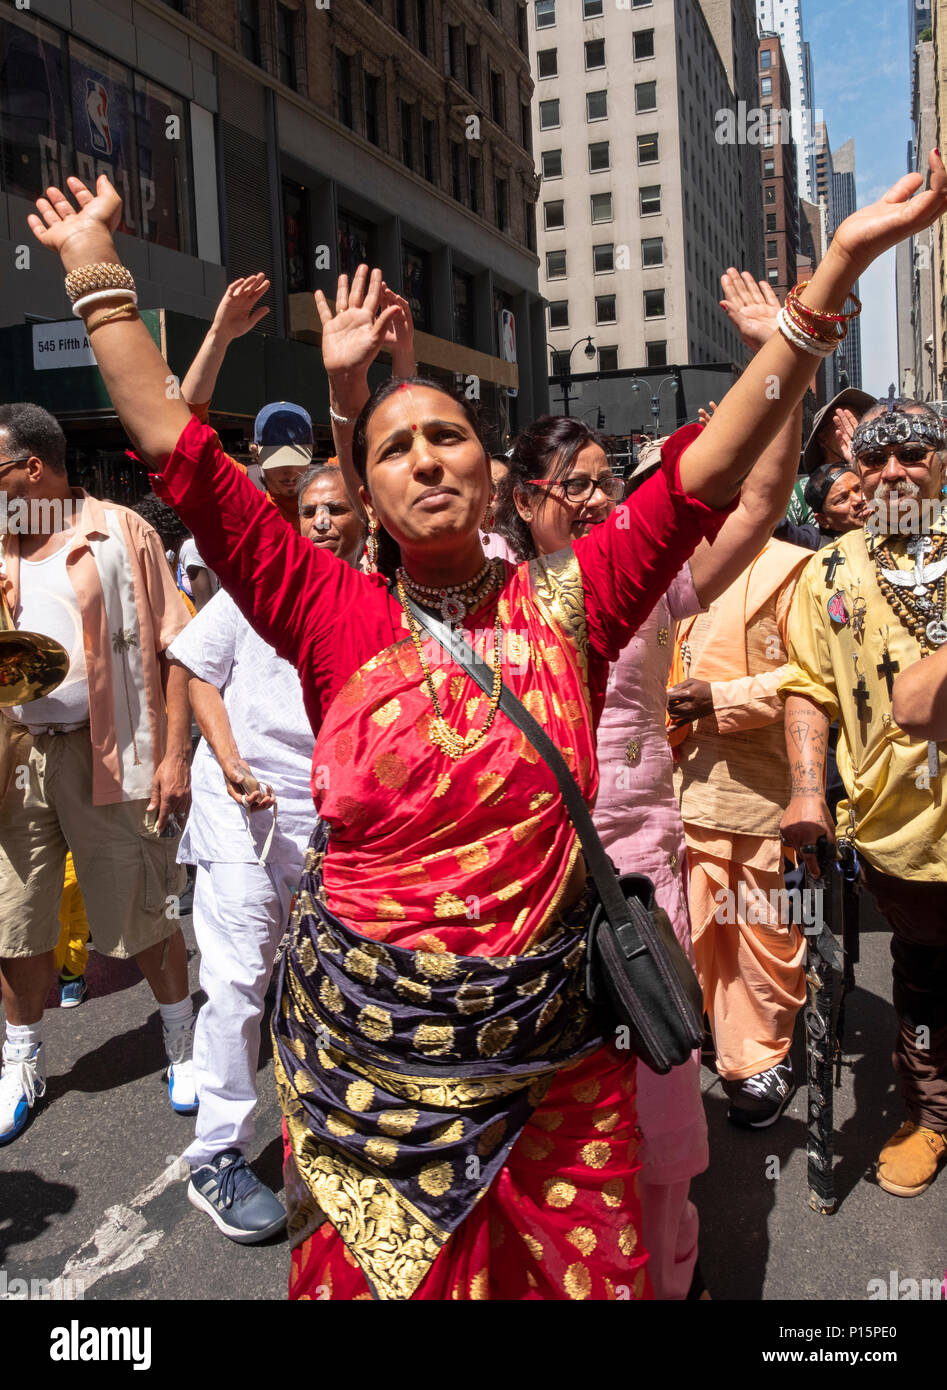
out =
column 231, row 1194
column 72, row 991
column 182, row 1087
column 22, row 1083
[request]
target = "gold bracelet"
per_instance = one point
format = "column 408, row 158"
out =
column 112, row 314
column 103, row 275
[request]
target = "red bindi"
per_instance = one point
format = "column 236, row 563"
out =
column 414, row 427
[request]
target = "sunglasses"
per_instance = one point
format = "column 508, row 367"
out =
column 580, row 489
column 874, row 459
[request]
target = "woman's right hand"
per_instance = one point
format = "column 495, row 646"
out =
column 869, row 231
column 79, row 237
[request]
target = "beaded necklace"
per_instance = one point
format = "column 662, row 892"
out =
column 923, row 616
column 454, row 600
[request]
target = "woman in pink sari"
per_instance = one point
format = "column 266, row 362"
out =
column 455, row 1112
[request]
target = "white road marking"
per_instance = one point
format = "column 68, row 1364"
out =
column 119, row 1242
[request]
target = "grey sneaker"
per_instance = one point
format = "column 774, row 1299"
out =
column 234, row 1198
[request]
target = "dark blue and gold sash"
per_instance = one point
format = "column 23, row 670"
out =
column 406, row 1076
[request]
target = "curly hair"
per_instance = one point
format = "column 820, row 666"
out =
column 169, row 526
column 545, row 449
column 389, row 552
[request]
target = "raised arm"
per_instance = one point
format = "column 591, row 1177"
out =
column 238, row 311
column 920, row 698
column 750, row 417
column 752, row 308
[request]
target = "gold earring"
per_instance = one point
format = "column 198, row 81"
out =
column 371, row 546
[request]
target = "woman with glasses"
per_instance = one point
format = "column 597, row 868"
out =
column 455, row 1112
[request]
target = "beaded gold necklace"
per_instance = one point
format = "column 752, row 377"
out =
column 448, row 739
column 919, row 609
column 454, row 600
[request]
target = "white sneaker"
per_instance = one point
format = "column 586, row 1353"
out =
column 22, row 1082
column 182, row 1088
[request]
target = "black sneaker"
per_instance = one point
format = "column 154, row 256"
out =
column 760, row 1100
column 234, row 1198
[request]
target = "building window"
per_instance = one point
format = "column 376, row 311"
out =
column 521, row 38
column 296, row 244
column 769, row 194
column 456, row 54
column 596, row 106
column 555, row 265
column 456, row 171
column 652, row 251
column 603, row 259
column 286, row 38
column 497, row 98
column 407, row 134
column 645, row 4
column 529, row 221
column 560, row 364
column 474, row 183
column 343, row 87
column 356, row 243
column 654, row 304
column 526, row 127
column 547, row 62
column 500, row 204
column 771, row 221
column 554, row 215
column 646, row 96
column 428, row 147
column 559, row 313
column 401, row 16
column 649, row 200
column 592, row 9
column 771, row 251
column 552, row 164
column 545, row 14
column 608, row 359
column 773, row 274
column 372, row 108
column 601, row 207
column 766, row 58
column 766, row 86
column 549, row 115
column 416, row 273
column 422, row 20
column 647, row 149
column 594, row 54
column 605, row 309
column 250, row 30
column 473, row 69
column 598, row 157
column 643, row 43
column 656, row 354
column 769, row 168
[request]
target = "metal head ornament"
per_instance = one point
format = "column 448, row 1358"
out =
column 899, row 426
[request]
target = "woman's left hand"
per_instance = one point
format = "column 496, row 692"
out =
column 353, row 336
column 863, row 236
column 399, row 335
column 750, row 305
column 61, row 228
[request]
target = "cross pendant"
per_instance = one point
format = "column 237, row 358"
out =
column 831, row 563
column 933, row 766
column 860, row 692
column 888, row 669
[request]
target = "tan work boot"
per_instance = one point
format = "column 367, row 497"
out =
column 909, row 1161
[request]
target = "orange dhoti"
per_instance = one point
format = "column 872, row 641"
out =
column 750, row 962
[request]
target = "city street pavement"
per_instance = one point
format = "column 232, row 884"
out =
column 92, row 1190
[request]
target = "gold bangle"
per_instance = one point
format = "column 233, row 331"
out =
column 112, row 314
column 103, row 275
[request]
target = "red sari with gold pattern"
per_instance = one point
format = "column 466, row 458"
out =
column 452, row 859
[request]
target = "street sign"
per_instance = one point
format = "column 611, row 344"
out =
column 60, row 345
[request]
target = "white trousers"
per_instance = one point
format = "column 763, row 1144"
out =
column 240, row 913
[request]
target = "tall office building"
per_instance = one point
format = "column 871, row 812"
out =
column 918, row 261
column 778, row 156
column 784, row 18
column 843, row 204
column 647, row 193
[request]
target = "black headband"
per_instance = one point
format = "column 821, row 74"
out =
column 821, row 482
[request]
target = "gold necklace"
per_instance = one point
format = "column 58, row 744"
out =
column 449, row 741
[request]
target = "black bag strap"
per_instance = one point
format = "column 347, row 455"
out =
column 599, row 865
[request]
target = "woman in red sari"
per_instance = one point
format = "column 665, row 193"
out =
column 462, row 1142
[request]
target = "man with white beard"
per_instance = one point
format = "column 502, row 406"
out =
column 865, row 610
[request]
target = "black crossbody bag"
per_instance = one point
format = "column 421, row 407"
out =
column 636, row 970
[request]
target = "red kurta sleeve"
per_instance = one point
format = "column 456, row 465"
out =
column 316, row 612
column 629, row 561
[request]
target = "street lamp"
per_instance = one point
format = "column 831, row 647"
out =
column 655, row 396
column 565, row 371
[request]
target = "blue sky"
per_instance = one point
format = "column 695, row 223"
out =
column 861, row 74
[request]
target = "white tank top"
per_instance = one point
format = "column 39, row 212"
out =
column 48, row 604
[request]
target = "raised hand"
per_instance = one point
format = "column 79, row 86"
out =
column 237, row 311
column 399, row 334
column 863, row 236
column 353, row 336
column 750, row 306
column 62, row 228
column 704, row 414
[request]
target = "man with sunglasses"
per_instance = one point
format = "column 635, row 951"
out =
column 865, row 610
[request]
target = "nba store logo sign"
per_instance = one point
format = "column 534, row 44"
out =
column 97, row 110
